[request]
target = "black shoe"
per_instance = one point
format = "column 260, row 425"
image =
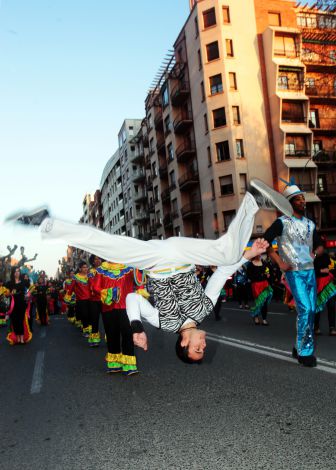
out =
column 34, row 217
column 268, row 198
column 294, row 353
column 307, row 361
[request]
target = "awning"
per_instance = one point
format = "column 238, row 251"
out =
column 295, row 129
column 311, row 197
column 299, row 163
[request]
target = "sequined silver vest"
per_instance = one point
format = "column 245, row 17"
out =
column 296, row 242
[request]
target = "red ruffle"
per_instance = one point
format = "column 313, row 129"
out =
column 258, row 288
column 321, row 282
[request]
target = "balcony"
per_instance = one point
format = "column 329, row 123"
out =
column 141, row 217
column 163, row 171
column 153, row 229
column 158, row 223
column 321, row 93
column 182, row 122
column 306, row 152
column 323, row 126
column 158, row 120
column 140, row 196
column 189, row 179
column 149, row 184
column 151, row 207
column 307, row 187
column 151, row 151
column 145, row 141
column 290, row 85
column 138, row 175
column 191, row 210
column 293, row 118
column 180, row 93
column 144, row 236
column 161, row 147
column 167, row 221
column 175, row 214
column 325, row 158
column 185, row 151
column 147, row 161
column 137, row 156
column 165, row 195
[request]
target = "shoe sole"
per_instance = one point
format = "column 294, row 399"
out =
column 18, row 215
column 277, row 199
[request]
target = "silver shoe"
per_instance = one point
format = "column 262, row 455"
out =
column 268, row 198
column 33, row 217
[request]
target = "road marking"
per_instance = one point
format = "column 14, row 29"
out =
column 43, row 333
column 323, row 364
column 37, row 380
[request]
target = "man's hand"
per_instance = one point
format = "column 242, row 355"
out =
column 140, row 340
column 259, row 246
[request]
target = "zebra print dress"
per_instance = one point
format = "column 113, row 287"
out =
column 178, row 298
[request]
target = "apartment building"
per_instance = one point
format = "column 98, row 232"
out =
column 318, row 29
column 132, row 175
column 95, row 210
column 112, row 201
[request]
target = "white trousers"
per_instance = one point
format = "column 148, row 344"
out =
column 226, row 250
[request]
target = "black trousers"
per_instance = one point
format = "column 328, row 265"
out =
column 17, row 316
column 71, row 311
column 264, row 311
column 41, row 305
column 331, row 307
column 242, row 294
column 82, row 312
column 217, row 308
column 95, row 310
column 118, row 332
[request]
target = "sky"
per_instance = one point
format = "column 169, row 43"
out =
column 71, row 72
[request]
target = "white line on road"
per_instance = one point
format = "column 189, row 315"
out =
column 323, row 364
column 43, row 333
column 247, row 310
column 37, row 380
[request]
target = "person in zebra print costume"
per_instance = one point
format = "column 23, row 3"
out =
column 180, row 304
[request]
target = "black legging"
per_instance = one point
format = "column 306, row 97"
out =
column 242, row 294
column 82, row 312
column 264, row 311
column 331, row 305
column 17, row 315
column 95, row 309
column 71, row 311
column 41, row 305
column 118, row 332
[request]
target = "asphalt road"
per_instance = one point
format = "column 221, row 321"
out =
column 248, row 406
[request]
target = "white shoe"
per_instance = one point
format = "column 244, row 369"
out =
column 268, row 198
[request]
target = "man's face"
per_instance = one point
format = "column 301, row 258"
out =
column 299, row 203
column 194, row 339
column 97, row 262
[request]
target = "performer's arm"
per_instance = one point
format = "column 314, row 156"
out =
column 317, row 240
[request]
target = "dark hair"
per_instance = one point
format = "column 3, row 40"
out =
column 182, row 353
column 12, row 275
column 81, row 264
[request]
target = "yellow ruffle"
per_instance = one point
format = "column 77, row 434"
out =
column 113, row 357
column 94, row 335
column 129, row 360
column 144, row 293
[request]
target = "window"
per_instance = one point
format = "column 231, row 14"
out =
column 297, row 146
column 239, row 148
column 209, row 156
column 243, row 183
column 219, row 118
column 310, row 83
column 213, row 194
column 229, row 47
column 172, row 179
column 285, row 46
column 228, row 216
column 156, row 194
column 170, row 152
column 216, row 84
column 196, row 27
column 236, row 115
column 292, row 111
column 165, row 96
column 154, row 170
column 202, row 91
column 199, row 59
column 212, row 51
column 232, row 80
column 314, row 118
column 167, row 125
column 274, row 18
column 209, row 18
column 226, row 185
column 206, row 126
column 223, row 151
column 226, row 15
column 174, row 208
column 131, row 212
column 317, row 146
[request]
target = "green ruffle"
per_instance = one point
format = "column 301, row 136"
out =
column 265, row 296
column 323, row 297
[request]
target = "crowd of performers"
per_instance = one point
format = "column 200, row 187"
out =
column 177, row 302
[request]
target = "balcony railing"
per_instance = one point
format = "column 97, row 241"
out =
column 293, row 118
column 165, row 195
column 140, row 196
column 161, row 146
column 147, row 161
column 321, row 92
column 288, row 53
column 167, row 220
column 141, row 216
column 151, row 207
column 158, row 119
column 323, row 124
column 308, row 187
column 137, row 156
column 298, row 152
column 163, row 171
column 138, row 175
column 180, row 93
column 185, row 151
column 325, row 157
column 326, row 190
column 182, row 122
column 190, row 178
column 290, row 85
column 191, row 210
column 149, row 184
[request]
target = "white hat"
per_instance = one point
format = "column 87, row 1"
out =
column 292, row 191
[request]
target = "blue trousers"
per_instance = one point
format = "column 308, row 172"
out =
column 303, row 287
